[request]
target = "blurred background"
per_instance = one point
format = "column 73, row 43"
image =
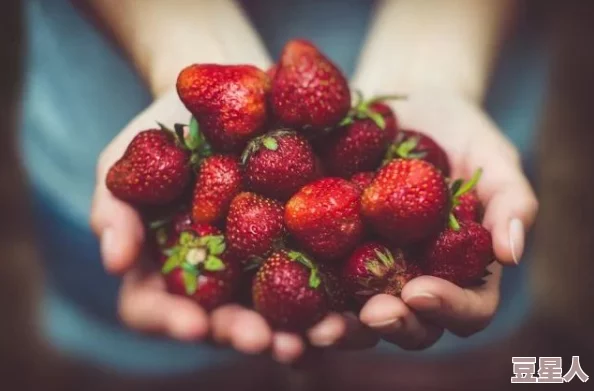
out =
column 541, row 97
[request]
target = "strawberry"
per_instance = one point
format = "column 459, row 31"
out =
column 459, row 254
column 288, row 291
column 373, row 269
column 308, row 91
column 363, row 179
column 465, row 202
column 338, row 298
column 198, row 267
column 324, row 217
column 219, row 180
column 271, row 71
column 411, row 144
column 254, row 226
column 155, row 169
column 228, row 101
column 407, row 201
column 362, row 140
column 278, row 164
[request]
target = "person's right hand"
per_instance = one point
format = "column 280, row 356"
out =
column 144, row 303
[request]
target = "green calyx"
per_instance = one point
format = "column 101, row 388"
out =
column 404, row 148
column 314, row 275
column 268, row 141
column 193, row 255
column 362, row 109
column 457, row 189
column 383, row 262
column 190, row 138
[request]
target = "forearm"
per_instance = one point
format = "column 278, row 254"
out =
column 162, row 37
column 429, row 44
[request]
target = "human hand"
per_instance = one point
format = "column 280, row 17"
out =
column 144, row 303
column 428, row 305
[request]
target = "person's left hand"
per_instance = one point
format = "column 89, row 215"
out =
column 428, row 305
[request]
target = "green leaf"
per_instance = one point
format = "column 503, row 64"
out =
column 214, row 243
column 453, row 222
column 467, row 186
column 213, row 264
column 190, row 282
column 314, row 279
column 383, row 98
column 348, row 120
column 376, row 117
column 172, row 262
column 375, row 268
column 386, row 258
column 270, row 143
column 405, row 148
column 185, row 238
column 302, row 259
column 163, row 127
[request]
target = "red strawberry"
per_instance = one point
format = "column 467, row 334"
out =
column 407, row 201
column 219, row 180
column 308, row 91
column 373, row 269
column 391, row 127
column 324, row 216
column 363, row 179
column 410, row 144
column 465, row 201
column 155, row 169
column 271, row 72
column 198, row 267
column 166, row 232
column 278, row 164
column 254, row 226
column 361, row 143
column 338, row 298
column 459, row 255
column 288, row 291
column 229, row 102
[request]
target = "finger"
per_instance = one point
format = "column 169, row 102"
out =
column 243, row 329
column 511, row 204
column 328, row 331
column 462, row 311
column 119, row 229
column 145, row 306
column 357, row 336
column 287, row 347
column 396, row 323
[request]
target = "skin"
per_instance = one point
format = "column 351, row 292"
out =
column 445, row 102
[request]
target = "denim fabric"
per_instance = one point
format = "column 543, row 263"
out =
column 80, row 92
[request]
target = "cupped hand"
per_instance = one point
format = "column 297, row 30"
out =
column 144, row 303
column 428, row 305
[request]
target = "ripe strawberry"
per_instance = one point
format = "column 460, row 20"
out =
column 373, row 269
column 198, row 267
column 278, row 164
column 254, row 226
column 271, row 72
column 459, row 255
column 228, row 101
column 324, row 217
column 338, row 298
column 363, row 179
column 407, row 201
column 155, row 169
column 465, row 202
column 219, row 180
column 308, row 90
column 288, row 291
column 362, row 140
column 411, row 144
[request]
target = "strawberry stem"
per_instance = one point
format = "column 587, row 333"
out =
column 453, row 222
column 469, row 185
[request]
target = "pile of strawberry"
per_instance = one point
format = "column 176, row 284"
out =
column 283, row 195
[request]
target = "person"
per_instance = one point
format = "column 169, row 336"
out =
column 80, row 93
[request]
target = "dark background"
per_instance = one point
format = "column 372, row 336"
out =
column 562, row 323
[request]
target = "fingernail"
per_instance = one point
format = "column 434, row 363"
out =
column 516, row 239
column 392, row 324
column 107, row 244
column 282, row 346
column 424, row 302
